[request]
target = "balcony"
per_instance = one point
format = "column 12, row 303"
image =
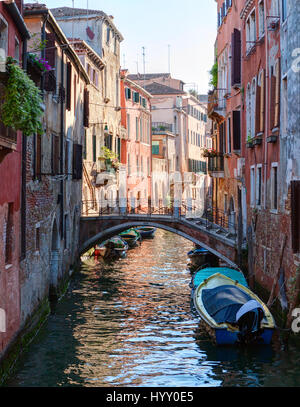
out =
column 8, row 138
column 161, row 127
column 216, row 166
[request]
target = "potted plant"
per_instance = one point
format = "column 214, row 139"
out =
column 249, row 141
column 110, row 158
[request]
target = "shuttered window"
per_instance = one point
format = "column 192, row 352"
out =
column 295, row 215
column 262, row 102
column 86, row 108
column 236, row 47
column 55, row 155
column 236, row 125
column 275, row 97
column 68, row 92
column 50, row 56
column 77, row 161
column 258, row 108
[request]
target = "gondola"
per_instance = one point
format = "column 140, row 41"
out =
column 111, row 248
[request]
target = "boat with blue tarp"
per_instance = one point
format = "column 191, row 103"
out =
column 229, row 310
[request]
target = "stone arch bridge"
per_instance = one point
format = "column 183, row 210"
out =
column 215, row 238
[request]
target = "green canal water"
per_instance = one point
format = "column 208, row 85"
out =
column 131, row 324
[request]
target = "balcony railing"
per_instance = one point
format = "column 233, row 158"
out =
column 161, row 126
column 216, row 164
column 8, row 137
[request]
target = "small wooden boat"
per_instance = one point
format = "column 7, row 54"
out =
column 146, row 231
column 199, row 257
column 231, row 312
column 131, row 237
column 114, row 247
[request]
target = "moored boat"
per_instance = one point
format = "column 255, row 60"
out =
column 146, row 231
column 114, row 247
column 230, row 311
column 131, row 237
column 199, row 257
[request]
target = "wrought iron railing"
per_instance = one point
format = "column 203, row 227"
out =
column 216, row 164
column 211, row 217
column 161, row 126
column 8, row 134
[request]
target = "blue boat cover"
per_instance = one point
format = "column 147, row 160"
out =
column 235, row 275
column 223, row 302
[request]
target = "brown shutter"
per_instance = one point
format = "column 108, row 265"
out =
column 77, row 161
column 295, row 215
column 236, row 47
column 221, row 129
column 86, row 110
column 262, row 102
column 257, row 108
column 272, row 101
column 277, row 96
column 236, row 124
column 69, row 76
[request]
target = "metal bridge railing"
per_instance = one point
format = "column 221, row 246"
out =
column 211, row 217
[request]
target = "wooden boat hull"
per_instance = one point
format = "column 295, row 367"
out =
column 225, row 333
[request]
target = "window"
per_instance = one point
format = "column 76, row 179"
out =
column 68, row 86
column 108, row 35
column 253, row 103
column 3, row 38
column 236, row 58
column 137, row 129
column 94, row 148
column 8, row 232
column 128, row 125
column 261, row 17
column 50, row 56
column 17, row 49
column 155, row 147
column 252, row 186
column 55, row 155
column 37, row 163
column 141, row 130
column 77, row 161
column 274, row 186
column 258, row 185
column 275, row 96
column 229, row 135
column 128, row 164
column 251, row 31
column 37, row 238
column 260, row 103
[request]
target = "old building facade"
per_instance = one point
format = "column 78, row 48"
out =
column 54, row 166
column 13, row 36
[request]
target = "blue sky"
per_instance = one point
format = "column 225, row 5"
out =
column 188, row 26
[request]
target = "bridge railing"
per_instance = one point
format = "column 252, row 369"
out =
column 210, row 217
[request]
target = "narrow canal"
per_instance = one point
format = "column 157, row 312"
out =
column 131, row 324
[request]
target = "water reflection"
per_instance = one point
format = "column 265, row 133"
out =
column 131, row 324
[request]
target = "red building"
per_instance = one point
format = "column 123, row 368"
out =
column 13, row 36
column 261, row 67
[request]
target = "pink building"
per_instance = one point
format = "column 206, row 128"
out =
column 136, row 150
column 13, row 33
